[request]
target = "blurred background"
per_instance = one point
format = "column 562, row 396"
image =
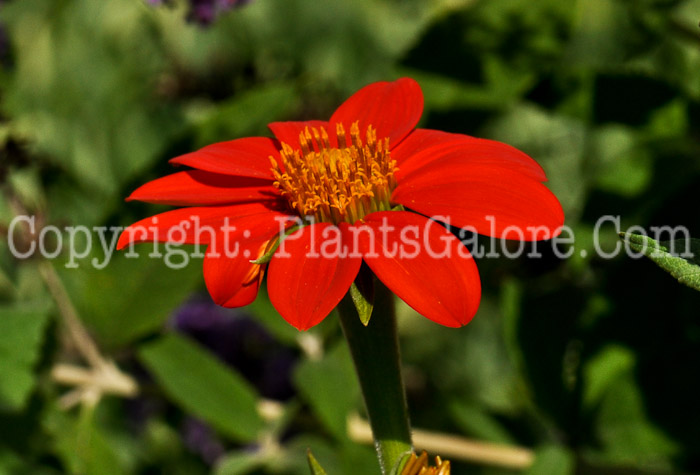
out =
column 591, row 363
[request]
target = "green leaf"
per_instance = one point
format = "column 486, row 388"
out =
column 474, row 366
column 477, row 422
column 22, row 329
column 314, row 466
column 362, row 294
column 444, row 93
column 11, row 463
column 161, row 444
column 330, row 387
column 553, row 460
column 626, row 434
column 602, row 370
column 248, row 113
column 680, row 258
column 203, row 386
column 622, row 165
column 239, row 463
column 359, row 49
column 82, row 443
column 96, row 118
column 129, row 297
column 602, row 34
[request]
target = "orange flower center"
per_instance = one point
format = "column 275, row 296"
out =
column 420, row 466
column 336, row 184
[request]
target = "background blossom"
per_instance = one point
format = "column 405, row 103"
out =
column 204, row 12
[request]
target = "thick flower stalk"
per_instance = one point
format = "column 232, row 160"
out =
column 310, row 205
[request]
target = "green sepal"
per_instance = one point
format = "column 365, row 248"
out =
column 400, row 464
column 680, row 257
column 362, row 294
column 314, row 466
column 265, row 258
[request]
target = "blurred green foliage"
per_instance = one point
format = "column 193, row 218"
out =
column 587, row 360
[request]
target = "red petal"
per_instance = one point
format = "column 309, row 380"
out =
column 233, row 282
column 288, row 132
column 431, row 147
column 247, row 293
column 197, row 187
column 435, row 274
column 393, row 108
column 242, row 157
column 231, row 279
column 491, row 200
column 197, row 225
column 307, row 277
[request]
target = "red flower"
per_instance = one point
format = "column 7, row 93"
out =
column 368, row 179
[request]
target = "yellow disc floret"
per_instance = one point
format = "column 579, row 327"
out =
column 336, row 184
column 420, row 466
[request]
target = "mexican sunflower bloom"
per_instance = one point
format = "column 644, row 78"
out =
column 368, row 182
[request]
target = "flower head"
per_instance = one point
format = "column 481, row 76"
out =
column 365, row 186
column 419, row 466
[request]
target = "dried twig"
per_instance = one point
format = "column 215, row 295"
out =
column 452, row 446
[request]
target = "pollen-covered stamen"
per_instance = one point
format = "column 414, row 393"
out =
column 419, row 466
column 336, row 184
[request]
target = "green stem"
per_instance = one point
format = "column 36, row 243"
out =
column 375, row 352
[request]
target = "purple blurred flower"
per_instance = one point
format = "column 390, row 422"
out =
column 4, row 42
column 240, row 342
column 205, row 12
column 4, row 39
column 201, row 439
